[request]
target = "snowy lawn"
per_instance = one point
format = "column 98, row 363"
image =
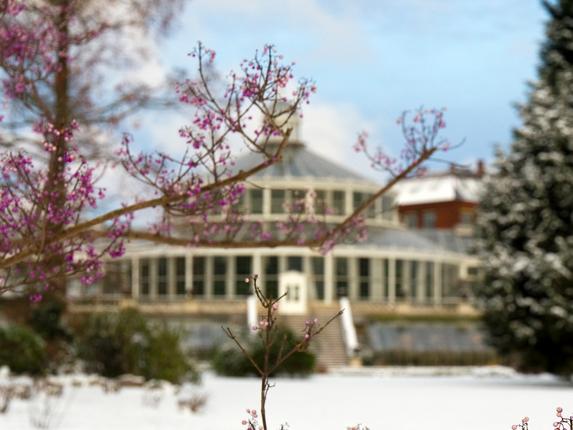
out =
column 385, row 400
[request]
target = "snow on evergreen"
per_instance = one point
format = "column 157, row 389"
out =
column 526, row 218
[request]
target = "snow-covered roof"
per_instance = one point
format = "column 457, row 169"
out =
column 434, row 189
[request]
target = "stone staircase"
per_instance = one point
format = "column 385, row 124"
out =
column 329, row 344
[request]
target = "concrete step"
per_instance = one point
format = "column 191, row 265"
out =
column 329, row 344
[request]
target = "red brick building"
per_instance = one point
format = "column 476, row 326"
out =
column 441, row 200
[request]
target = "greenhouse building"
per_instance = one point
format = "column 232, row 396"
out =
column 395, row 268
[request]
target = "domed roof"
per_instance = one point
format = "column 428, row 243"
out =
column 299, row 162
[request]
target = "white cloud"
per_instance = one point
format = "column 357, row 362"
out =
column 331, row 130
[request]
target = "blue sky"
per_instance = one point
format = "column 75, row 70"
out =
column 373, row 59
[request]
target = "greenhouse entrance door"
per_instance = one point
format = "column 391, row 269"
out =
column 294, row 285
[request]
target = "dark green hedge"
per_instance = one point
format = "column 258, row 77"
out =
column 22, row 350
column 113, row 344
column 230, row 361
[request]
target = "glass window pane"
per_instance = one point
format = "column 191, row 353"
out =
column 144, row 276
column 364, row 278
column 243, row 271
column 400, row 290
column 219, row 266
column 414, row 270
column 338, row 202
column 278, row 201
column 219, row 287
column 386, row 283
column 271, row 280
column 429, row 219
column 341, row 265
column 320, row 203
column 162, row 276
column 112, row 278
column 410, row 219
column 356, row 200
column 387, row 207
column 272, row 265
column 429, row 282
column 450, row 281
column 364, row 289
column 198, row 276
column 272, row 288
column 256, row 197
column 294, row 263
column 364, row 266
column 318, row 276
column 219, row 276
column 359, row 198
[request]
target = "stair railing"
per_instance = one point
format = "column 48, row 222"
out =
column 348, row 329
column 251, row 313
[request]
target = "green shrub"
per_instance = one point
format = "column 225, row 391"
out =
column 22, row 351
column 46, row 319
column 166, row 360
column 126, row 342
column 230, row 361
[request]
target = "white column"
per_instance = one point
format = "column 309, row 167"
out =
column 376, row 280
column 378, row 208
column 353, row 274
column 349, row 201
column 188, row 274
column 208, row 277
column 266, row 201
column 257, row 265
column 421, row 290
column 153, row 278
column 282, row 264
column 392, row 280
column 135, row 278
column 407, row 280
column 328, row 278
column 257, row 269
column 307, row 270
column 230, row 278
column 437, row 283
column 171, row 273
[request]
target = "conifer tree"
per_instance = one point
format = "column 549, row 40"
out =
column 526, row 218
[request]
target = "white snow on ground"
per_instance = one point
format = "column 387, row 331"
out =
column 398, row 399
